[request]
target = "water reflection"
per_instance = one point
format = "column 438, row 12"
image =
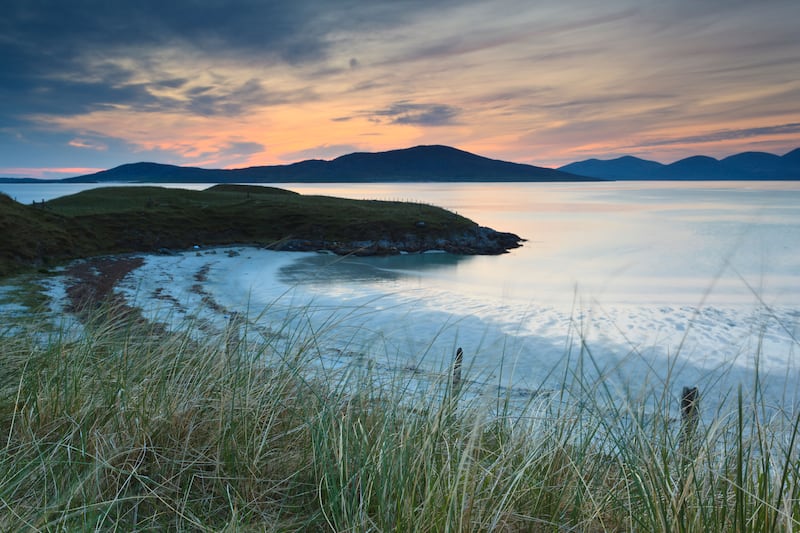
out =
column 328, row 269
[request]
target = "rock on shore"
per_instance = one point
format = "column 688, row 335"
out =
column 478, row 241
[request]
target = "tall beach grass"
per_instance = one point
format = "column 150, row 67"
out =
column 129, row 427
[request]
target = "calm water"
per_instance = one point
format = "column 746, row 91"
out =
column 664, row 242
column 688, row 283
column 618, row 242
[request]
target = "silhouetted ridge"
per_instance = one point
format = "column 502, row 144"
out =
column 743, row 166
column 792, row 157
column 625, row 167
column 432, row 162
column 421, row 163
column 147, row 172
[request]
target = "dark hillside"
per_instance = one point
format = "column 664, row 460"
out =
column 421, row 163
column 743, row 166
column 759, row 165
column 622, row 168
column 434, row 162
column 33, row 236
column 113, row 220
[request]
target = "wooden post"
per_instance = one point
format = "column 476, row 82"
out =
column 457, row 369
column 690, row 399
column 451, row 393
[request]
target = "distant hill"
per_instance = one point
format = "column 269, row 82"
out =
column 421, row 163
column 20, row 180
column 744, row 166
column 622, row 168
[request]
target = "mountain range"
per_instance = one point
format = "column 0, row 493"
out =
column 744, row 166
column 420, row 163
column 447, row 164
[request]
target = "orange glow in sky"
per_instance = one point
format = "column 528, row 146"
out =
column 544, row 83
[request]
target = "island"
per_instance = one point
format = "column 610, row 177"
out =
column 419, row 163
column 117, row 220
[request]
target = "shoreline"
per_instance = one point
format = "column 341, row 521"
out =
column 392, row 330
column 93, row 282
column 480, row 241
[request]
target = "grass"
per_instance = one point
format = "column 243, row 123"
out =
column 127, row 427
column 127, row 219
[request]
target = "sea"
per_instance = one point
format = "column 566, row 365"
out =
column 638, row 287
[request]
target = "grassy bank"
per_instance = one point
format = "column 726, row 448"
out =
column 127, row 427
column 113, row 220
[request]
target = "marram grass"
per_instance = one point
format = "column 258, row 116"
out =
column 129, row 428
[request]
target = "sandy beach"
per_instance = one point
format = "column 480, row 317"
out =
column 515, row 350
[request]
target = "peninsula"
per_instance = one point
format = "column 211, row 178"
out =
column 113, row 220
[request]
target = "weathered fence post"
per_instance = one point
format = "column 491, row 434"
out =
column 451, row 392
column 690, row 399
column 457, row 369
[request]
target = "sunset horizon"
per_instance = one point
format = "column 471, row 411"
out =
column 87, row 88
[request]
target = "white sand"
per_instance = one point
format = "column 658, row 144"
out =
column 410, row 328
column 521, row 349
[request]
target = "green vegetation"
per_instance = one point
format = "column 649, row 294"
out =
column 126, row 427
column 128, row 219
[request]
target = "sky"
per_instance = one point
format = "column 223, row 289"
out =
column 87, row 85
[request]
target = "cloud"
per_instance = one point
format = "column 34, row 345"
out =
column 726, row 135
column 226, row 154
column 48, row 35
column 88, row 144
column 63, row 33
column 58, row 58
column 242, row 148
column 193, row 78
column 233, row 101
column 67, row 97
column 417, row 114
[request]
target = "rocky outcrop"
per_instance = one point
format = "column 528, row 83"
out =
column 478, row 241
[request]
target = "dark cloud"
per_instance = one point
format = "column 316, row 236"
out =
column 240, row 149
column 367, row 86
column 419, row 114
column 520, row 32
column 69, row 97
column 211, row 101
column 48, row 34
column 607, row 99
column 53, row 32
column 727, row 135
column 62, row 57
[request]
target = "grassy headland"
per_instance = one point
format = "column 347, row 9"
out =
column 125, row 427
column 134, row 219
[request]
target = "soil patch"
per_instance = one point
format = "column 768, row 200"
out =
column 92, row 283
